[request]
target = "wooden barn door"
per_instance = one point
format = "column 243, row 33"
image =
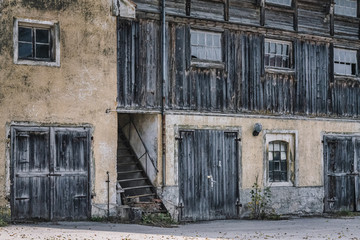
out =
column 49, row 174
column 342, row 167
column 208, row 174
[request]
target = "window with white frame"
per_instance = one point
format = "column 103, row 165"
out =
column 280, row 159
column 345, row 61
column 206, row 46
column 277, row 53
column 346, row 7
column 36, row 42
column 280, row 2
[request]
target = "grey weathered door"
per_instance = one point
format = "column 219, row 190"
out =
column 208, row 174
column 50, row 173
column 341, row 173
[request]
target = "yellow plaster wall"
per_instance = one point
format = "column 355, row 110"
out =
column 309, row 137
column 76, row 93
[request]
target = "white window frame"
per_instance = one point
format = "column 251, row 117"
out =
column 280, row 2
column 338, row 9
column 338, row 62
column 290, row 137
column 53, row 26
column 290, row 47
column 210, row 48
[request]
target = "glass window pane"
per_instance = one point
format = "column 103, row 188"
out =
column 276, row 166
column 270, row 156
column 276, row 146
column 42, row 51
column 25, row 34
column 25, row 50
column 345, row 61
column 271, row 147
column 42, row 36
column 283, row 155
column 276, row 155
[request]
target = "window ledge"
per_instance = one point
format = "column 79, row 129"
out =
column 279, row 70
column 280, row 184
column 36, row 63
column 346, row 77
column 207, row 64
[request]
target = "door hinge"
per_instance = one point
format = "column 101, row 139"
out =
column 237, row 139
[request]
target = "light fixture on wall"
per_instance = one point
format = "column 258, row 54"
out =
column 257, row 129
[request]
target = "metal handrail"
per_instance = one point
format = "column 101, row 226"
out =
column 143, row 143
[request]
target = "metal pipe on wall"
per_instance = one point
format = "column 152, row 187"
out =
column 163, row 49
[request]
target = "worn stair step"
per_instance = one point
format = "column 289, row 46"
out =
column 130, row 171
column 126, row 155
column 127, row 163
column 138, row 187
column 142, row 195
column 131, row 179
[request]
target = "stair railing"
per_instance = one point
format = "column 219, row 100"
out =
column 146, row 153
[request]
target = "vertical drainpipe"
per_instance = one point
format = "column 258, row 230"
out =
column 163, row 51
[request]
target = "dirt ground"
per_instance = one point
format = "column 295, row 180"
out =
column 301, row 228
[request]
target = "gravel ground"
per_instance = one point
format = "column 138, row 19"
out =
column 301, row 228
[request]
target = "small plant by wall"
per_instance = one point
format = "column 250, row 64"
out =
column 260, row 202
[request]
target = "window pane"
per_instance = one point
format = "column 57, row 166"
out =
column 346, row 7
column 277, row 146
column 276, row 155
column 42, row 36
column 280, row 2
column 25, row 34
column 206, row 45
column 345, row 61
column 42, row 51
column 25, row 50
column 277, row 54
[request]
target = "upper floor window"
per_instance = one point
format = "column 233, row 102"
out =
column 277, row 54
column 280, row 2
column 345, row 61
column 346, row 7
column 206, row 46
column 36, row 42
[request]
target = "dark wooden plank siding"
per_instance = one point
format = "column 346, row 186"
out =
column 276, row 18
column 148, row 5
column 346, row 28
column 245, row 12
column 313, row 17
column 139, row 71
column 345, row 96
column 241, row 84
column 208, row 9
column 312, row 77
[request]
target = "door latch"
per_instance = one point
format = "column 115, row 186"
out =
column 212, row 181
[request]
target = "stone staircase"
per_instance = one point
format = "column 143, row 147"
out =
column 133, row 185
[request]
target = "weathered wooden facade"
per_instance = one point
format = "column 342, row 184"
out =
column 209, row 67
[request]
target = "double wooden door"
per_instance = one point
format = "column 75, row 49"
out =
column 208, row 174
column 342, row 167
column 50, row 173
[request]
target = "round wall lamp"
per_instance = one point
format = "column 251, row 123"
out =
column 257, row 129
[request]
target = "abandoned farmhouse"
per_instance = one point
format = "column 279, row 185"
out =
column 122, row 106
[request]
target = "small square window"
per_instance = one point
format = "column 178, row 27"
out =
column 280, row 2
column 206, row 46
column 277, row 54
column 36, row 42
column 345, row 62
column 346, row 8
